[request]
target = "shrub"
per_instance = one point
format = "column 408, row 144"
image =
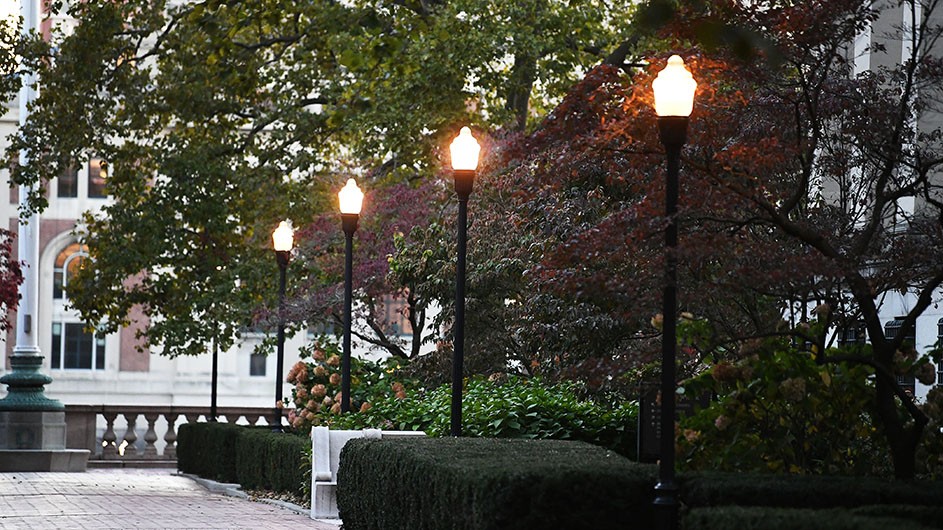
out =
column 208, row 450
column 253, row 457
column 791, row 491
column 316, row 395
column 477, row 483
column 272, row 461
column 753, row 518
column 509, row 407
column 777, row 410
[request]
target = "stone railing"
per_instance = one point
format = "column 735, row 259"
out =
column 117, row 433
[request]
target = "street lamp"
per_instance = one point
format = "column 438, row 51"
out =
column 464, row 151
column 351, row 200
column 282, row 241
column 674, row 99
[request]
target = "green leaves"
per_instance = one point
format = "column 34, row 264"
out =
column 779, row 411
column 511, row 408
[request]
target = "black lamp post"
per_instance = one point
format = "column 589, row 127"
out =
column 674, row 99
column 282, row 239
column 464, row 151
column 351, row 200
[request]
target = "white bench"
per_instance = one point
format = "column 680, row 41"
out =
column 326, row 448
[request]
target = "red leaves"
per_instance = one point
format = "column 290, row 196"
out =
column 11, row 276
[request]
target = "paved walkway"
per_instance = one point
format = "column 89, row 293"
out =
column 132, row 498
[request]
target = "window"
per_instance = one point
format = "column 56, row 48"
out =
column 97, row 175
column 74, row 347
column 891, row 329
column 322, row 328
column 939, row 344
column 68, row 262
column 257, row 364
column 853, row 334
column 393, row 314
column 68, row 185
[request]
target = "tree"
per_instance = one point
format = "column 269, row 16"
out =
column 220, row 118
column 11, row 275
column 388, row 216
column 790, row 196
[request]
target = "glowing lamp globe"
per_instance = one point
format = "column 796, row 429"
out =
column 465, row 150
column 351, row 198
column 283, row 237
column 674, row 89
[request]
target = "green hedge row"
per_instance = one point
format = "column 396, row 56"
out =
column 879, row 517
column 485, row 483
column 804, row 491
column 253, row 457
column 208, row 450
column 480, row 483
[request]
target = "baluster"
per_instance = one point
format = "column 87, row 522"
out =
column 150, row 450
column 110, row 449
column 130, row 451
column 170, row 450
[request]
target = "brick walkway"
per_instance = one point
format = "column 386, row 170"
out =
column 132, row 498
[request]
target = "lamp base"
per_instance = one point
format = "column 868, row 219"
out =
column 673, row 130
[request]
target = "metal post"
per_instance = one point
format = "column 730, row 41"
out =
column 350, row 226
column 214, row 378
column 673, row 133
column 282, row 257
column 464, row 180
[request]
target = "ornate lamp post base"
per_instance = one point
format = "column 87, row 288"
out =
column 32, row 426
column 25, row 386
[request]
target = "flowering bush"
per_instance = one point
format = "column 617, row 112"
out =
column 778, row 410
column 317, row 385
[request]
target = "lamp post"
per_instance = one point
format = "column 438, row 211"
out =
column 282, row 240
column 464, row 150
column 351, row 200
column 674, row 99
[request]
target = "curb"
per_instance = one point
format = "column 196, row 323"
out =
column 232, row 490
column 235, row 490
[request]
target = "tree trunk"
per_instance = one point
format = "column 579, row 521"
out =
column 519, row 89
column 902, row 439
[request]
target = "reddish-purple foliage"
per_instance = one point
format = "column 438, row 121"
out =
column 11, row 276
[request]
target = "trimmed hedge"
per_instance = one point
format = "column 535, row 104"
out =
column 253, row 457
column 208, row 450
column 804, row 491
column 763, row 518
column 485, row 483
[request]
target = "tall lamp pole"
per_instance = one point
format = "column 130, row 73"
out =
column 351, row 201
column 674, row 99
column 464, row 151
column 283, row 239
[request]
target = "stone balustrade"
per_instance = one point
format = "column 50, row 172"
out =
column 144, row 434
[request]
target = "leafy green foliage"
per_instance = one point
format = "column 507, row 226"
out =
column 219, row 119
column 508, row 407
column 778, row 410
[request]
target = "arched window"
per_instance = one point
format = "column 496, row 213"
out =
column 68, row 262
column 74, row 346
column 891, row 330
